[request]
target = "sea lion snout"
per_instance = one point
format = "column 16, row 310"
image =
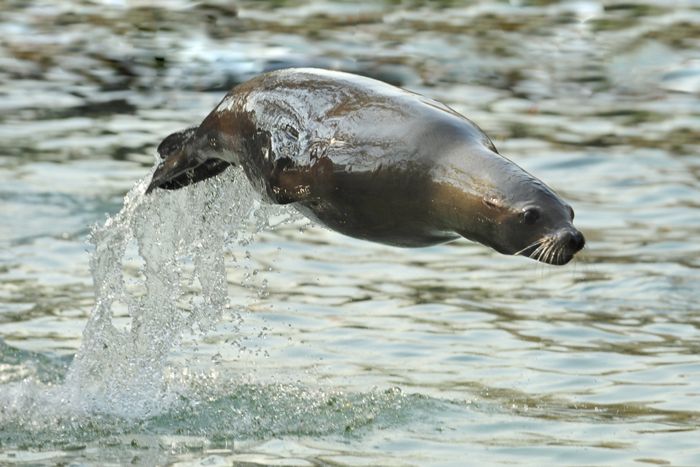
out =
column 567, row 243
column 557, row 248
column 573, row 239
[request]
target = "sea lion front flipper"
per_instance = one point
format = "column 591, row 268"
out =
column 289, row 183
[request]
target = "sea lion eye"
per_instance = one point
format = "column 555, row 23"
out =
column 571, row 211
column 530, row 215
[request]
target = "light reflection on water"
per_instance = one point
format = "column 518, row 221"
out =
column 351, row 352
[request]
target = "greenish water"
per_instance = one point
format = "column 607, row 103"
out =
column 275, row 342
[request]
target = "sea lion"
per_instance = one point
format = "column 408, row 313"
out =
column 372, row 161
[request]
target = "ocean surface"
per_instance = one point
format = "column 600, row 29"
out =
column 205, row 327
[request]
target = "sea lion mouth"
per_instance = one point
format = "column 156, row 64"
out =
column 557, row 248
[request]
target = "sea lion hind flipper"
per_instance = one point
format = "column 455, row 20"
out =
column 184, row 168
column 175, row 141
column 207, row 169
column 183, row 162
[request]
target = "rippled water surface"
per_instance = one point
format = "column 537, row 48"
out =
column 248, row 335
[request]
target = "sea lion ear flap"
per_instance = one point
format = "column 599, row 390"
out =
column 175, row 141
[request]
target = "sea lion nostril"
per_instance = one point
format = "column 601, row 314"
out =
column 576, row 240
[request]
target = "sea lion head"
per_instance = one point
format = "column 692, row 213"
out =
column 534, row 222
column 502, row 206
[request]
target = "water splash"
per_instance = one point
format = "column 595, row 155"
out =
column 159, row 274
column 177, row 243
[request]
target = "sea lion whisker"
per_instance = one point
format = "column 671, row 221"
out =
column 552, row 253
column 537, row 254
column 560, row 254
column 546, row 243
column 548, row 253
column 551, row 248
column 531, row 245
column 545, row 254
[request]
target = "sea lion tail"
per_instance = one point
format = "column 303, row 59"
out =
column 182, row 163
